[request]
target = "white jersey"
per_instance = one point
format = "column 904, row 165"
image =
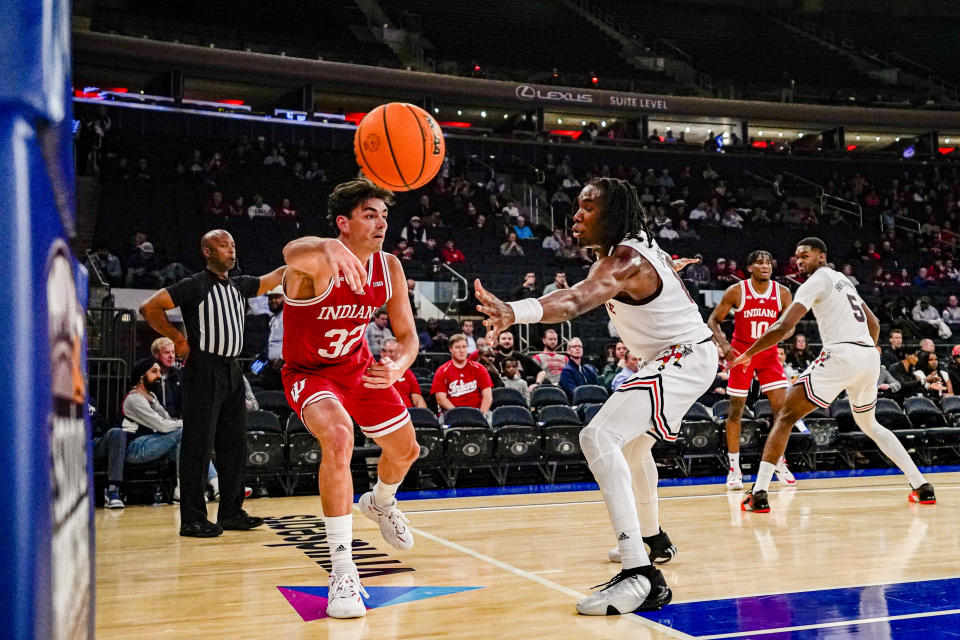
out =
column 837, row 307
column 669, row 317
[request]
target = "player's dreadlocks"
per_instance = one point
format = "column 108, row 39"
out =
column 623, row 215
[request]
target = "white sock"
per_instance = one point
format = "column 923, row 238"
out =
column 384, row 493
column 632, row 552
column 340, row 538
column 764, row 475
column 734, row 460
column 215, row 483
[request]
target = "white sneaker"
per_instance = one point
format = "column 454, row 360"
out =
column 620, row 595
column 344, row 596
column 614, row 555
column 391, row 521
column 783, row 472
column 734, row 479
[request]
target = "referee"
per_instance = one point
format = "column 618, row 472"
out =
column 214, row 414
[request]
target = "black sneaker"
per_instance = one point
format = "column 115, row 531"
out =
column 200, row 529
column 755, row 501
column 662, row 550
column 923, row 494
column 660, row 593
column 243, row 521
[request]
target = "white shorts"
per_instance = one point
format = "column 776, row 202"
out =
column 842, row 366
column 660, row 393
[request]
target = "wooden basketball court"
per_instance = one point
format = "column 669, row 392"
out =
column 830, row 559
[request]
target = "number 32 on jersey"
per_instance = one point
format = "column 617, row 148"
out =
column 341, row 341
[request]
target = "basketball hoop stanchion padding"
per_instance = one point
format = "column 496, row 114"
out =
column 45, row 503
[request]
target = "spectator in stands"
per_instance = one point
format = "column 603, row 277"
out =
column 511, row 212
column 273, row 351
column 407, row 385
column 734, row 271
column 928, row 319
column 107, row 264
column 887, row 385
column 216, row 167
column 143, row 268
column 936, row 383
column 684, row 232
column 926, row 344
column 260, row 209
column 143, row 170
column 553, row 242
column 427, row 252
column 951, row 313
column 466, row 328
column 722, row 274
column 923, row 279
column 666, row 180
column 788, row 369
column 403, row 251
column 512, row 379
column 699, row 213
column 462, row 382
column 414, row 231
column 170, row 394
column 526, row 289
column 215, row 206
column 614, row 364
column 731, row 220
column 570, row 253
column 315, row 173
column 412, row 294
column 668, row 232
column 487, row 358
column 559, row 282
column 451, row 254
column 511, row 247
column 576, row 372
column 528, row 368
column 698, row 272
column 890, row 356
column 522, row 230
column 238, row 209
column 378, row 331
column 910, row 385
column 799, row 354
column 953, row 369
column 630, row 366
column 551, row 363
column 286, row 213
column 275, row 160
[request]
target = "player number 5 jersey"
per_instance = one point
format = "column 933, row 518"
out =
column 841, row 315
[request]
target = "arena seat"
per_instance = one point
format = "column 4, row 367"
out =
column 587, row 411
column 303, row 452
column 841, row 411
column 518, row 439
column 923, row 413
column 561, row 438
column 824, row 438
column 545, row 396
column 721, row 409
column 890, row 415
column 698, row 411
column 951, row 408
column 275, row 402
column 557, row 415
column 429, row 437
column 701, row 441
column 763, row 411
column 505, row 396
column 266, row 449
column 589, row 393
column 467, row 444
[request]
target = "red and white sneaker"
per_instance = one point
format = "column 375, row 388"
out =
column 923, row 494
column 783, row 472
column 345, row 595
column 392, row 522
column 734, row 479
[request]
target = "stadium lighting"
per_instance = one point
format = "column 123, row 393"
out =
column 780, row 134
column 436, row 109
column 583, row 123
column 483, row 114
column 559, row 120
column 897, row 139
column 878, row 138
column 947, row 140
column 687, row 130
column 506, row 115
column 909, row 152
column 858, row 137
column 603, row 123
column 760, row 133
column 800, row 134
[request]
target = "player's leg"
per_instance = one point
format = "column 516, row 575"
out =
column 400, row 450
column 796, row 406
column 734, row 474
column 863, row 402
column 329, row 422
column 778, row 397
column 639, row 454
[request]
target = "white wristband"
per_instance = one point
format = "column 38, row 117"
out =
column 528, row 311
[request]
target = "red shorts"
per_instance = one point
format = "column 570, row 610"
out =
column 766, row 365
column 377, row 411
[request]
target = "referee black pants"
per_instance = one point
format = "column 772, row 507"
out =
column 214, row 419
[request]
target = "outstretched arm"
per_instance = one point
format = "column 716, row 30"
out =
column 730, row 300
column 607, row 278
column 323, row 258
column 774, row 333
column 270, row 280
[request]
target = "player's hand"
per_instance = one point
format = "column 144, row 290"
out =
column 680, row 263
column 342, row 260
column 499, row 314
column 181, row 348
column 740, row 360
column 728, row 353
column 382, row 375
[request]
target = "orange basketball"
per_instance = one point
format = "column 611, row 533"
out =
column 399, row 146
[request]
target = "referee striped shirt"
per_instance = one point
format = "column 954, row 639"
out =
column 213, row 310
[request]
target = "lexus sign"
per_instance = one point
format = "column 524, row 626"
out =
column 526, row 92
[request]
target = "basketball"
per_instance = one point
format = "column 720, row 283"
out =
column 399, row 146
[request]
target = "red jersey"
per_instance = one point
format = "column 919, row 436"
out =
column 329, row 329
column 405, row 385
column 461, row 384
column 755, row 313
